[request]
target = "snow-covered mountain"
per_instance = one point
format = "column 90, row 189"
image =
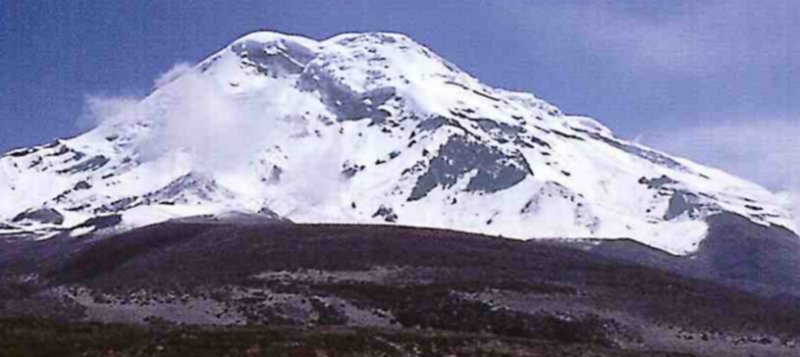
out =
column 364, row 128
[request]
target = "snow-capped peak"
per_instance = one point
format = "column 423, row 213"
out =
column 365, row 128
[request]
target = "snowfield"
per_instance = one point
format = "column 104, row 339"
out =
column 364, row 128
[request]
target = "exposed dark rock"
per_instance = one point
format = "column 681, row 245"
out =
column 41, row 215
column 82, row 185
column 346, row 103
column 21, row 152
column 90, row 164
column 120, row 205
column 349, row 169
column 191, row 184
column 567, row 136
column 387, row 213
column 495, row 171
column 682, row 202
column 101, row 222
column 274, row 59
column 657, row 182
column 647, row 154
column 432, row 123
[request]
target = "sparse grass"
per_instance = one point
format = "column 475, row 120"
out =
column 37, row 337
column 426, row 298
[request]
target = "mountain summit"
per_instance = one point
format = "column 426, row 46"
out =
column 364, row 128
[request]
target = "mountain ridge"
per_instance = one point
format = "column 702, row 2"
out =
column 365, row 128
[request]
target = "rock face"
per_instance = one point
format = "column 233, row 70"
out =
column 365, row 128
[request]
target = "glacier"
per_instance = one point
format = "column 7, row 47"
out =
column 368, row 128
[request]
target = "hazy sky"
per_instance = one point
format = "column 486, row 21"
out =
column 712, row 80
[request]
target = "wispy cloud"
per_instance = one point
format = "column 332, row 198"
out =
column 173, row 73
column 678, row 36
column 198, row 115
column 764, row 151
column 101, row 108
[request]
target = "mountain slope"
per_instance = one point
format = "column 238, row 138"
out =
column 364, row 128
column 384, row 279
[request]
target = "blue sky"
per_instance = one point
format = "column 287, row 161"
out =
column 712, row 80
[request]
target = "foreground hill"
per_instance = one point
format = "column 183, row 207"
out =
column 363, row 288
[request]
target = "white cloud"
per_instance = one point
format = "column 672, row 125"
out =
column 644, row 42
column 199, row 115
column 192, row 113
column 763, row 151
column 681, row 37
column 98, row 109
column 173, row 73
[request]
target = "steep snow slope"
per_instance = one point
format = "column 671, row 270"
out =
column 364, row 128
